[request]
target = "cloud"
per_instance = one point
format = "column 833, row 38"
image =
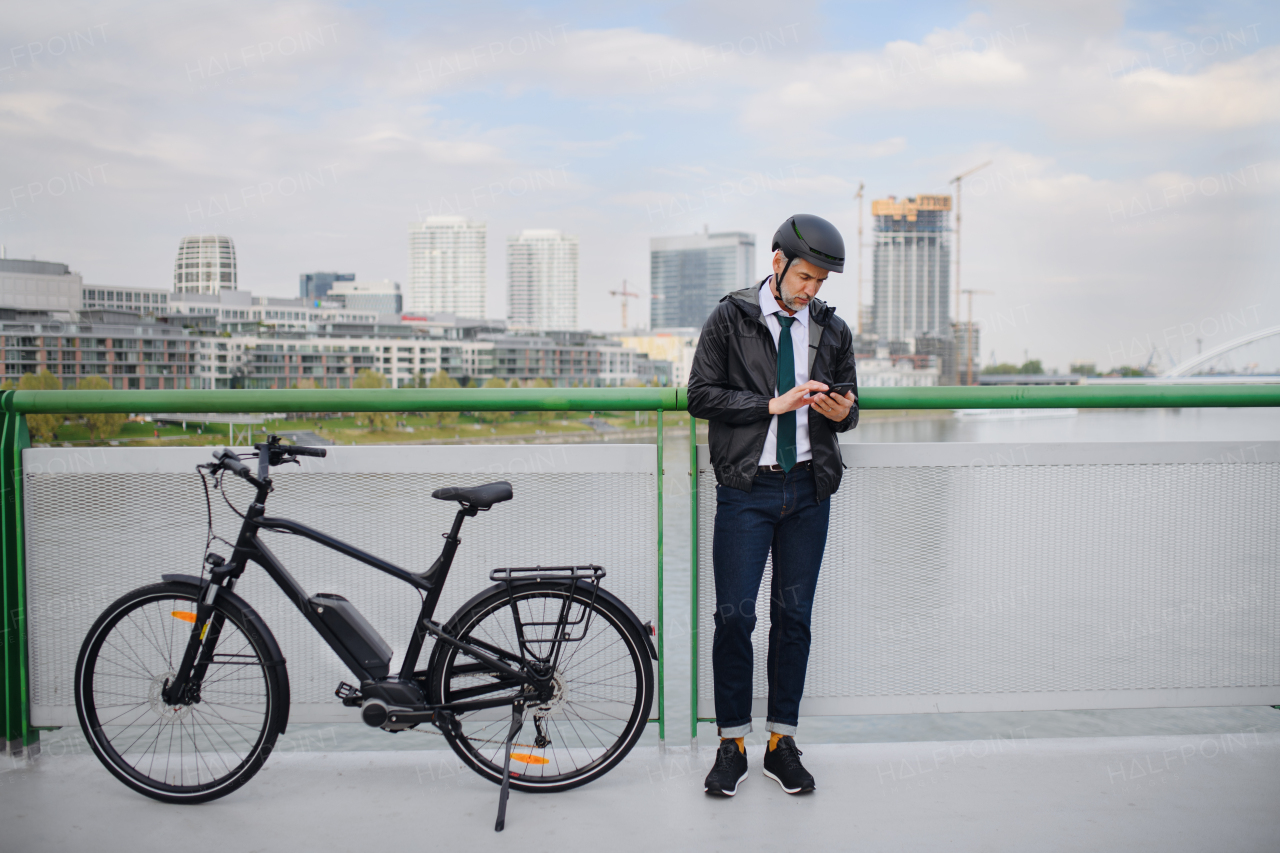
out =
column 1228, row 95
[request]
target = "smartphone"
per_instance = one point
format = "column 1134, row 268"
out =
column 841, row 388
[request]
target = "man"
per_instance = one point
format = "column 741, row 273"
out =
column 766, row 356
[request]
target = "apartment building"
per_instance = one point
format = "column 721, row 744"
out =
column 127, row 350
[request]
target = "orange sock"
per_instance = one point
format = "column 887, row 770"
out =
column 740, row 741
column 774, row 737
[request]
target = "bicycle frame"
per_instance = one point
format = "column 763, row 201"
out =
column 250, row 548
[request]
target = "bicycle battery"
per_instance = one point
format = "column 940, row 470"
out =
column 354, row 632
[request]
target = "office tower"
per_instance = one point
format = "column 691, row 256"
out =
column 542, row 280
column 316, row 285
column 911, row 267
column 382, row 297
column 206, row 263
column 689, row 274
column 447, row 267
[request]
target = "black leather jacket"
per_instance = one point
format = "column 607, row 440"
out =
column 734, row 375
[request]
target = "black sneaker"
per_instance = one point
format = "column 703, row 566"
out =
column 730, row 769
column 782, row 765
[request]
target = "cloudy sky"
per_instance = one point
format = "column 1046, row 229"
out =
column 1131, row 202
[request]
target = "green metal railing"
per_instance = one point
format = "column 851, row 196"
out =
column 1017, row 397
column 15, row 727
column 15, row 721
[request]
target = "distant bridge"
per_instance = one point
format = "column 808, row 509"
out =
column 1189, row 366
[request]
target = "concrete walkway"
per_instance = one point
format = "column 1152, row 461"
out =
column 1211, row 792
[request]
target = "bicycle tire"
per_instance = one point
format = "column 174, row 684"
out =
column 623, row 682
column 129, row 652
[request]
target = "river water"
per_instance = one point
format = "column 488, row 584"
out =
column 1256, row 424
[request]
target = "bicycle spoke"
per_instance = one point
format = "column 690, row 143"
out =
column 183, row 747
column 594, row 680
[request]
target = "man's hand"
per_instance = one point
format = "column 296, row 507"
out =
column 834, row 407
column 795, row 398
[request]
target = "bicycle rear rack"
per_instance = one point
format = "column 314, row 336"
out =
column 565, row 622
column 549, row 573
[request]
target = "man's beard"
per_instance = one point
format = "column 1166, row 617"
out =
column 789, row 300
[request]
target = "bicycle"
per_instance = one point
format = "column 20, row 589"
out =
column 182, row 690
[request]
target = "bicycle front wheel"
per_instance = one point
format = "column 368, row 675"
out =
column 603, row 688
column 187, row 753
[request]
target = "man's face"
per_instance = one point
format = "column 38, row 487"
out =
column 804, row 280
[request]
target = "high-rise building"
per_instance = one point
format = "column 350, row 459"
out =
column 911, row 267
column 316, row 285
column 542, row 280
column 447, row 267
column 206, row 263
column 689, row 274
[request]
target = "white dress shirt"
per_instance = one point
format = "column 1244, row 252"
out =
column 800, row 349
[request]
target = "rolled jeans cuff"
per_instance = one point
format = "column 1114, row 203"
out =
column 734, row 731
column 779, row 728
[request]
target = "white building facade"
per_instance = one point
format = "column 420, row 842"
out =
column 206, row 263
column 292, row 315
column 39, row 286
column 447, row 267
column 380, row 297
column 542, row 280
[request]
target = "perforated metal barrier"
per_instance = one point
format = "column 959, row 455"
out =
column 985, row 577
column 100, row 522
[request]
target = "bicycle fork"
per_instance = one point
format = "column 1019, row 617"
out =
column 205, row 633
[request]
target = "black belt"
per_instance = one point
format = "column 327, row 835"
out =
column 777, row 469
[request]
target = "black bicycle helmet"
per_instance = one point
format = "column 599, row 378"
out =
column 812, row 238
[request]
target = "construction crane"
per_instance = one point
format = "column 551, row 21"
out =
column 625, row 294
column 958, row 180
column 858, row 196
column 968, row 333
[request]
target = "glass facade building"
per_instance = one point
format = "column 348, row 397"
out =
column 316, row 285
column 689, row 274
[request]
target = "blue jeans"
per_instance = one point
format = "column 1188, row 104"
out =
column 781, row 514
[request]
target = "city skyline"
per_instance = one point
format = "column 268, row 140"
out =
column 1133, row 146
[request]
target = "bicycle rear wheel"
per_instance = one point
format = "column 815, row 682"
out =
column 604, row 688
column 186, row 753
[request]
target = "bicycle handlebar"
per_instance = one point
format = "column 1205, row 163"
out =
column 269, row 454
column 232, row 463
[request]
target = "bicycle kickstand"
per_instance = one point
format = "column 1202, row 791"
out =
column 517, row 721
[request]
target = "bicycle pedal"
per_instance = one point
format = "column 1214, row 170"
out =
column 349, row 695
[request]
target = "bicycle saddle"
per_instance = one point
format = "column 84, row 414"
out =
column 480, row 497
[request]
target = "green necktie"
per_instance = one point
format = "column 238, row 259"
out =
column 786, row 381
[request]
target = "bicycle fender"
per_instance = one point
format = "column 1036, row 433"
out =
column 628, row 612
column 585, row 586
column 256, row 623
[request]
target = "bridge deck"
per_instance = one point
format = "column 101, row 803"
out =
column 1173, row 793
